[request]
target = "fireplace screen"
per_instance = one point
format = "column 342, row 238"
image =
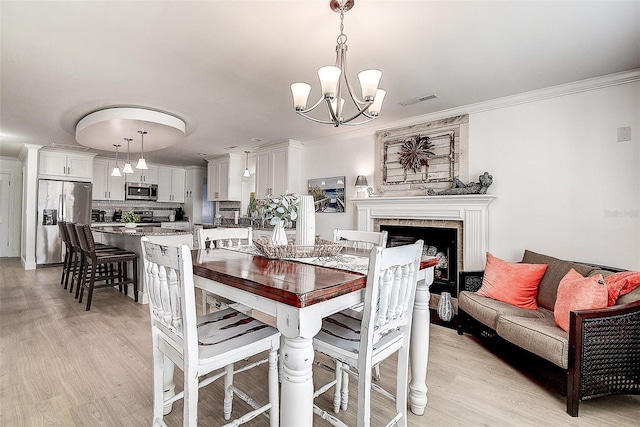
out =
column 439, row 242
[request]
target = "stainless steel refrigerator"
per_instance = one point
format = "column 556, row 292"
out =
column 59, row 201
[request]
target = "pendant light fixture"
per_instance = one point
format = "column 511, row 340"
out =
column 246, row 173
column 116, row 169
column 142, row 163
column 332, row 89
column 127, row 165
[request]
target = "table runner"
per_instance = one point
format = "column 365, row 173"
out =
column 353, row 263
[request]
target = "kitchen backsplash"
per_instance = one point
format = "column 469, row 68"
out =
column 160, row 210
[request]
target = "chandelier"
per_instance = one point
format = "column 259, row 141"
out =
column 331, row 81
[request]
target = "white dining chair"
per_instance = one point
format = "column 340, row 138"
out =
column 361, row 340
column 201, row 345
column 360, row 239
column 218, row 238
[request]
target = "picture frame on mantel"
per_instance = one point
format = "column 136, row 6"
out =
column 328, row 194
column 441, row 157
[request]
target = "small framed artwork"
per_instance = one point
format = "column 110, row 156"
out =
column 328, row 194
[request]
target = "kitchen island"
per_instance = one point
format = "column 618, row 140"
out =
column 129, row 239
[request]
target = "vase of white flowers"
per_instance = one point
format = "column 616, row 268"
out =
column 280, row 211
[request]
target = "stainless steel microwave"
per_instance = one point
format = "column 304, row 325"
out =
column 141, row 191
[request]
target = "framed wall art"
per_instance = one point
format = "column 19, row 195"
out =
column 328, row 194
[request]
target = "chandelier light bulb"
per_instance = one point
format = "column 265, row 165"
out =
column 369, row 80
column 300, row 92
column 329, row 76
column 374, row 109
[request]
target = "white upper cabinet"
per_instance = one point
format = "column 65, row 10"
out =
column 225, row 177
column 148, row 176
column 105, row 186
column 278, row 169
column 71, row 166
column 171, row 184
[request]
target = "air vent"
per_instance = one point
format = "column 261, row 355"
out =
column 231, row 147
column 69, row 147
column 412, row 101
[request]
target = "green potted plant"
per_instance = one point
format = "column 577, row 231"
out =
column 130, row 219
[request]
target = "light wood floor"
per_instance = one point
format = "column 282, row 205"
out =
column 63, row 366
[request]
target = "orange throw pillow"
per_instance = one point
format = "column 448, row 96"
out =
column 516, row 284
column 578, row 293
column 622, row 283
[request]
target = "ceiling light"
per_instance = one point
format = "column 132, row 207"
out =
column 103, row 128
column 116, row 169
column 142, row 163
column 332, row 89
column 246, row 173
column 127, row 165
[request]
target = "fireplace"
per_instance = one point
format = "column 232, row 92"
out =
column 467, row 214
column 441, row 242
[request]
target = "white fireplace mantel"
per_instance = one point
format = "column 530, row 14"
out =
column 471, row 209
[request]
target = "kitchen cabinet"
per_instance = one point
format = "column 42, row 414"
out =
column 148, row 176
column 225, row 178
column 69, row 166
column 278, row 169
column 105, row 186
column 171, row 182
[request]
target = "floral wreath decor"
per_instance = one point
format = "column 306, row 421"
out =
column 415, row 153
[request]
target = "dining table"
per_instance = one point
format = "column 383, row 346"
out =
column 299, row 293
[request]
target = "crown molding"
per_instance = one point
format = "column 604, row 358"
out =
column 595, row 83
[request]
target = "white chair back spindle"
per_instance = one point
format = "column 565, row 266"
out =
column 360, row 239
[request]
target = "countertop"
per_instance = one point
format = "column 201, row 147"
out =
column 141, row 231
column 140, row 224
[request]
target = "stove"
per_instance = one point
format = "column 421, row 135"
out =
column 145, row 216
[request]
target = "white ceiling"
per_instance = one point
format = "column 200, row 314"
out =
column 225, row 67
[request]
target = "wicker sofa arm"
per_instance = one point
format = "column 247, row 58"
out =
column 604, row 356
column 470, row 281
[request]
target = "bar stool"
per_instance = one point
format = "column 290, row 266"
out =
column 93, row 262
column 75, row 258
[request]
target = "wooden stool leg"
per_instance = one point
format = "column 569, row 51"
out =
column 135, row 279
column 90, row 289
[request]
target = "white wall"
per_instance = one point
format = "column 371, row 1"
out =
column 350, row 158
column 564, row 186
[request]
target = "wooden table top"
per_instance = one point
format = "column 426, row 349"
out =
column 290, row 282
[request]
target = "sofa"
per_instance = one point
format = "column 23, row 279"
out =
column 600, row 353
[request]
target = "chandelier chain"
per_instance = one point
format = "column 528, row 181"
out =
column 342, row 37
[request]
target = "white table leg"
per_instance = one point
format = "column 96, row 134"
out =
column 296, row 395
column 419, row 350
column 298, row 326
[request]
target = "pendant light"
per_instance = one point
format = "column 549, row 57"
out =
column 127, row 165
column 116, row 169
column 142, row 163
column 246, row 173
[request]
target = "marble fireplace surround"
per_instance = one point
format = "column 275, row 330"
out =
column 471, row 210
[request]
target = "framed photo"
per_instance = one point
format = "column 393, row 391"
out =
column 328, row 194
